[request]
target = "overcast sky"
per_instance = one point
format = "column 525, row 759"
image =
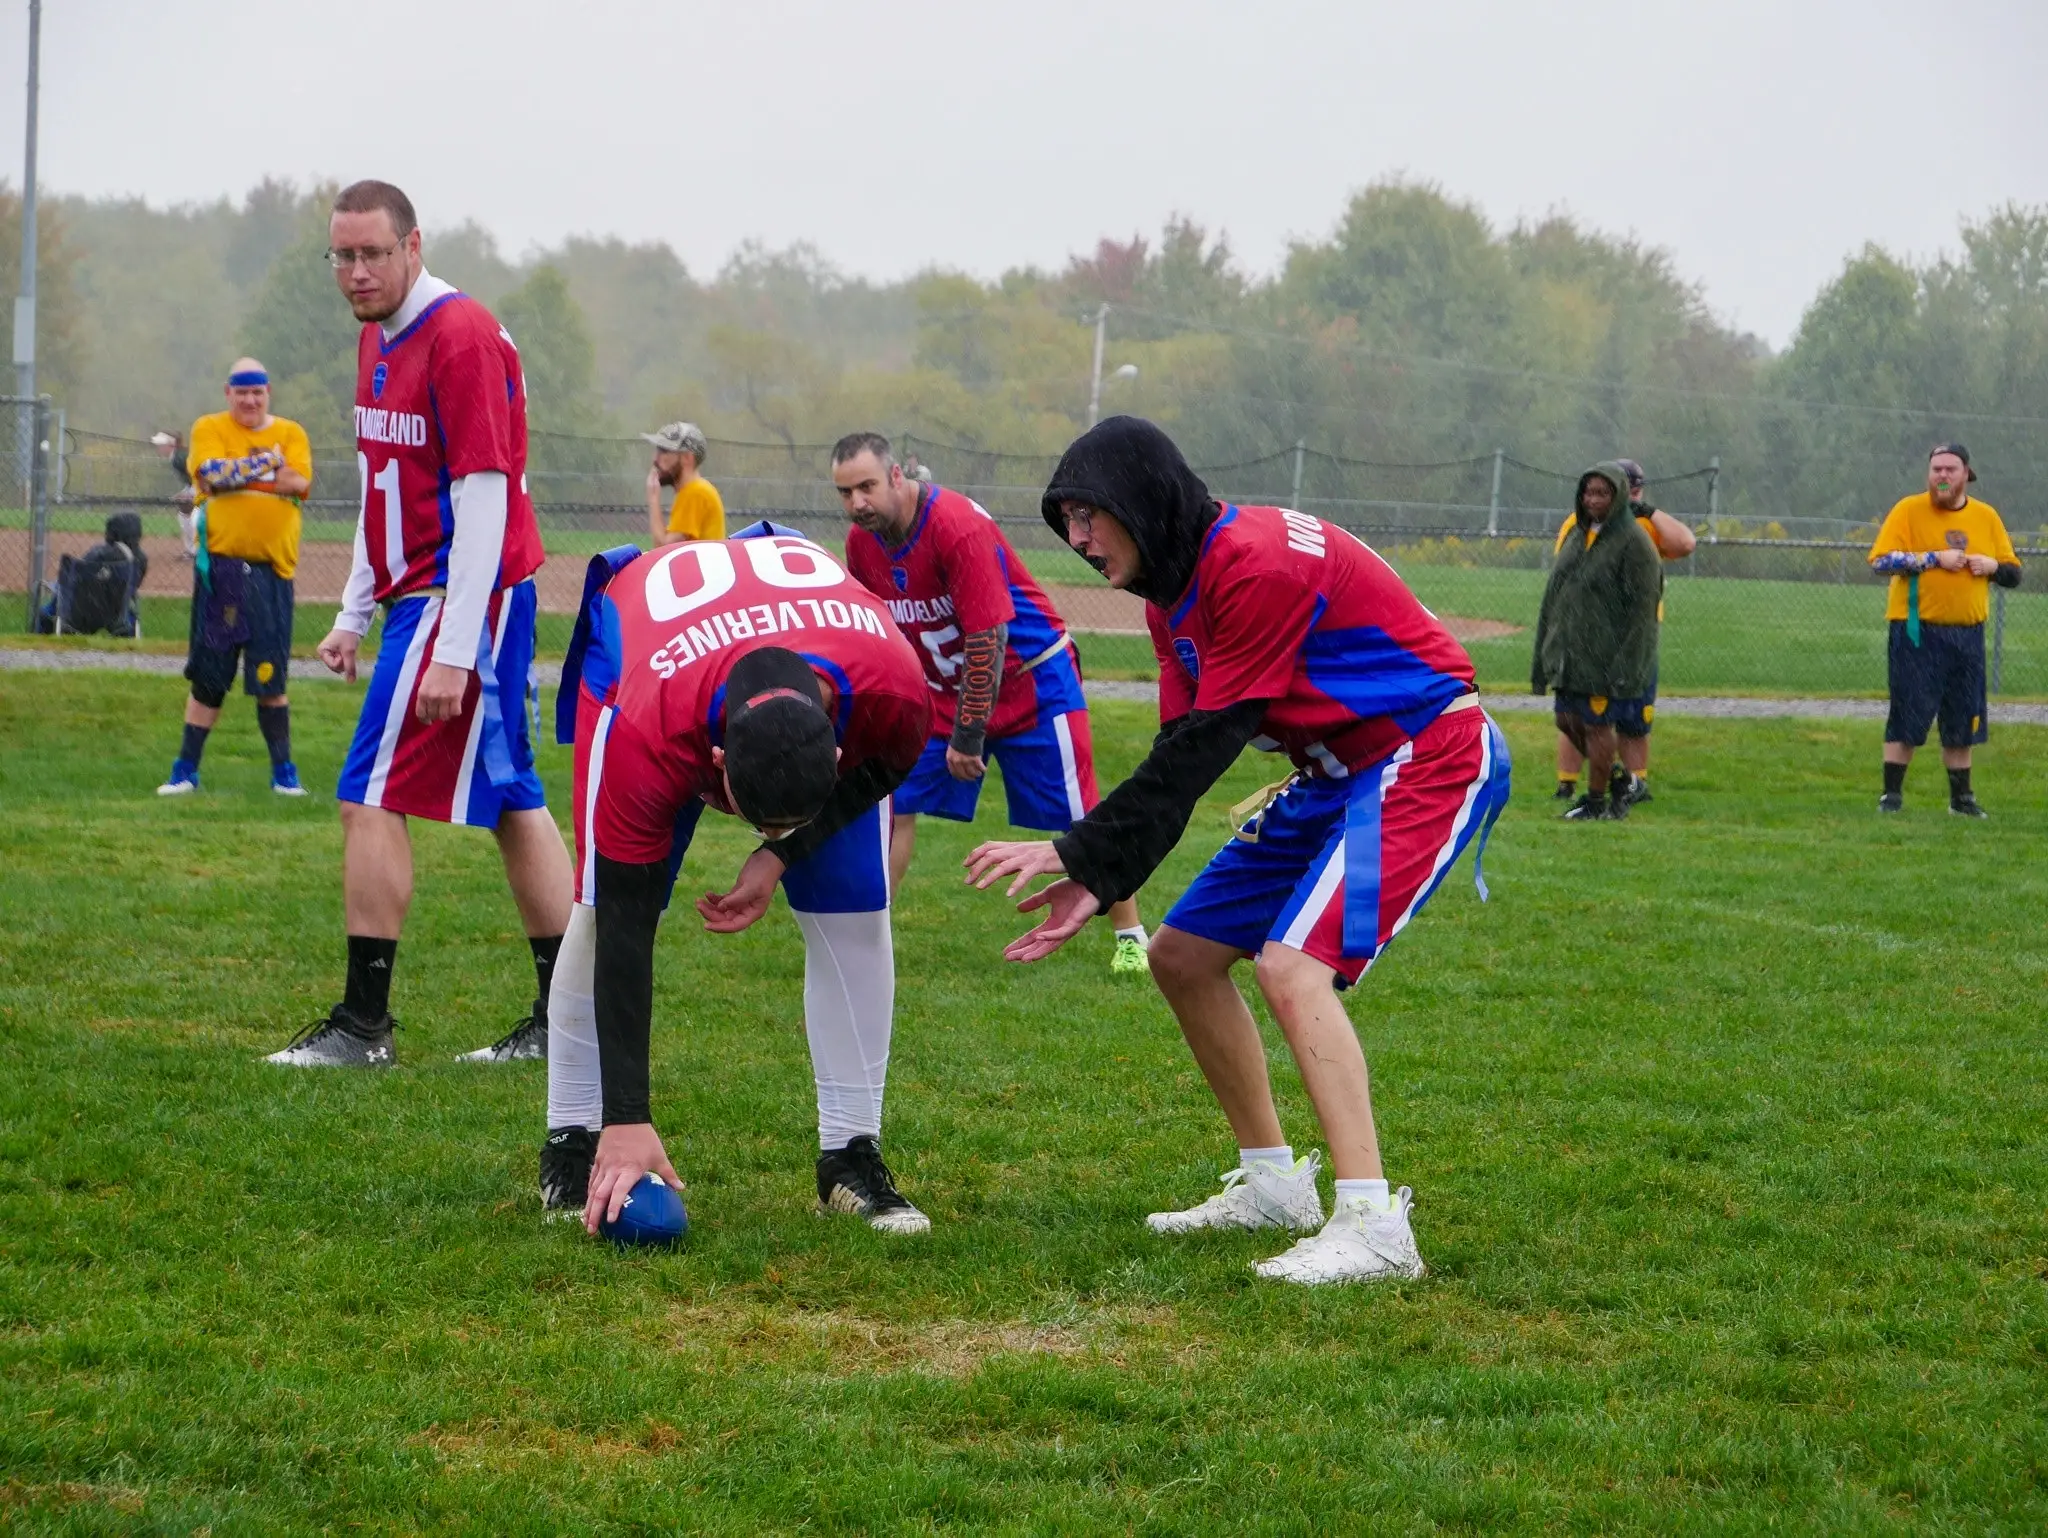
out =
column 1760, row 141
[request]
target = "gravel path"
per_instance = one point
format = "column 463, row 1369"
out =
column 1105, row 689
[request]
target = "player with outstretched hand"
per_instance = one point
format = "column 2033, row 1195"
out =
column 447, row 544
column 1278, row 630
column 1004, row 679
column 754, row 676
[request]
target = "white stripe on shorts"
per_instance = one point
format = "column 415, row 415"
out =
column 458, row 811
column 400, row 708
column 1070, row 771
column 1458, row 826
column 1332, row 873
column 593, row 775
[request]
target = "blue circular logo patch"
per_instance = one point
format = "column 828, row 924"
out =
column 377, row 377
column 1184, row 649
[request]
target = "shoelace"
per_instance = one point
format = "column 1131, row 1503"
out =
column 883, row 1190
column 319, row 1029
column 519, row 1027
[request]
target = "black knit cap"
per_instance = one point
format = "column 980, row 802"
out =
column 780, row 753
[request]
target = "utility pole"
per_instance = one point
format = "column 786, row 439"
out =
column 1095, row 381
column 25, row 305
column 1300, row 453
column 1493, row 501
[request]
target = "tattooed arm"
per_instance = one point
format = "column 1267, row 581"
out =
column 981, row 675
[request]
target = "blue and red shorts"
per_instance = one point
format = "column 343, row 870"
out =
column 1335, row 868
column 1048, row 768
column 466, row 770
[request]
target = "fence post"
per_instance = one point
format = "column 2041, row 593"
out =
column 1998, row 641
column 1493, row 501
column 36, row 414
column 1300, row 450
column 1714, row 498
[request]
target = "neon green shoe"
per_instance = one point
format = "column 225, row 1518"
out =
column 1129, row 958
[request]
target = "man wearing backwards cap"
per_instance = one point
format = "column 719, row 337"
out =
column 1276, row 630
column 698, row 512
column 1942, row 550
column 249, row 469
column 753, row 676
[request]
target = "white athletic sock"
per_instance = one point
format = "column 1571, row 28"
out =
column 575, row 1088
column 1371, row 1192
column 1281, row 1158
column 1135, row 932
column 849, row 1003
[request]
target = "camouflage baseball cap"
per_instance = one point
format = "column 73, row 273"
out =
column 679, row 438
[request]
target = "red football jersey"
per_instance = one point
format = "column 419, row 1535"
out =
column 954, row 575
column 1287, row 608
column 443, row 398
column 667, row 630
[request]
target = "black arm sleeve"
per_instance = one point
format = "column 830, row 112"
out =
column 857, row 790
column 629, row 903
column 1115, row 848
column 2008, row 574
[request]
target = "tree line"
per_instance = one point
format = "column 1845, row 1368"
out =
column 1404, row 346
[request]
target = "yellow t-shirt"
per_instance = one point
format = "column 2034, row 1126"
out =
column 1946, row 597
column 699, row 511
column 252, row 524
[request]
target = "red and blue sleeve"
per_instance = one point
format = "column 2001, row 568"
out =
column 473, row 390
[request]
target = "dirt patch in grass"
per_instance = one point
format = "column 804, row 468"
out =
column 838, row 1343
column 18, row 1496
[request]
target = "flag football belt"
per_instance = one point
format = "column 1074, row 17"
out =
column 1247, row 814
column 1050, row 652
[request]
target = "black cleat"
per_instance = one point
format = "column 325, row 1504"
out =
column 1588, row 808
column 1891, row 801
column 565, row 1160
column 1566, row 789
column 1965, row 805
column 340, row 1041
column 527, row 1041
column 854, row 1179
column 1638, row 790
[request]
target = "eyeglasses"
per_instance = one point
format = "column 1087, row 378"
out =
column 369, row 256
column 1082, row 522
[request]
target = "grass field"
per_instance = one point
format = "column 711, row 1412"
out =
column 1725, row 1127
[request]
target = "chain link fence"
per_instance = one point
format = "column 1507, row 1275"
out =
column 1785, row 604
column 28, row 433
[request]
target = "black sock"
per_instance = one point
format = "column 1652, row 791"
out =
column 275, row 722
column 368, row 992
column 1958, row 784
column 545, row 949
column 1894, row 779
column 194, row 744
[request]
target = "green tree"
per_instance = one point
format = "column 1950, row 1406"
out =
column 306, row 335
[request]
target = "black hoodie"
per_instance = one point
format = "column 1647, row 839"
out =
column 1131, row 470
column 1128, row 467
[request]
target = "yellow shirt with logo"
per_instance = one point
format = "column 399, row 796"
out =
column 699, row 511
column 252, row 524
column 1946, row 597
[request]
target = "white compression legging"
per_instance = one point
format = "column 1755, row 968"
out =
column 849, row 1005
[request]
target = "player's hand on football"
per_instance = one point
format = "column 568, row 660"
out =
column 727, row 913
column 1020, row 860
column 965, row 766
column 1068, row 906
column 624, row 1153
column 1981, row 565
column 338, row 651
column 440, row 693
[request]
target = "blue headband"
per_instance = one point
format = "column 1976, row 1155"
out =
column 244, row 378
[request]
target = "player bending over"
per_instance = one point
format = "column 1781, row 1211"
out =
column 1280, row 630
column 447, row 544
column 751, row 675
column 1005, row 682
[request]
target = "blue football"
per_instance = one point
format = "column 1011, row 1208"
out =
column 651, row 1214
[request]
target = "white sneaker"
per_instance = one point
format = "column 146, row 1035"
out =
column 1256, row 1195
column 1359, row 1244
